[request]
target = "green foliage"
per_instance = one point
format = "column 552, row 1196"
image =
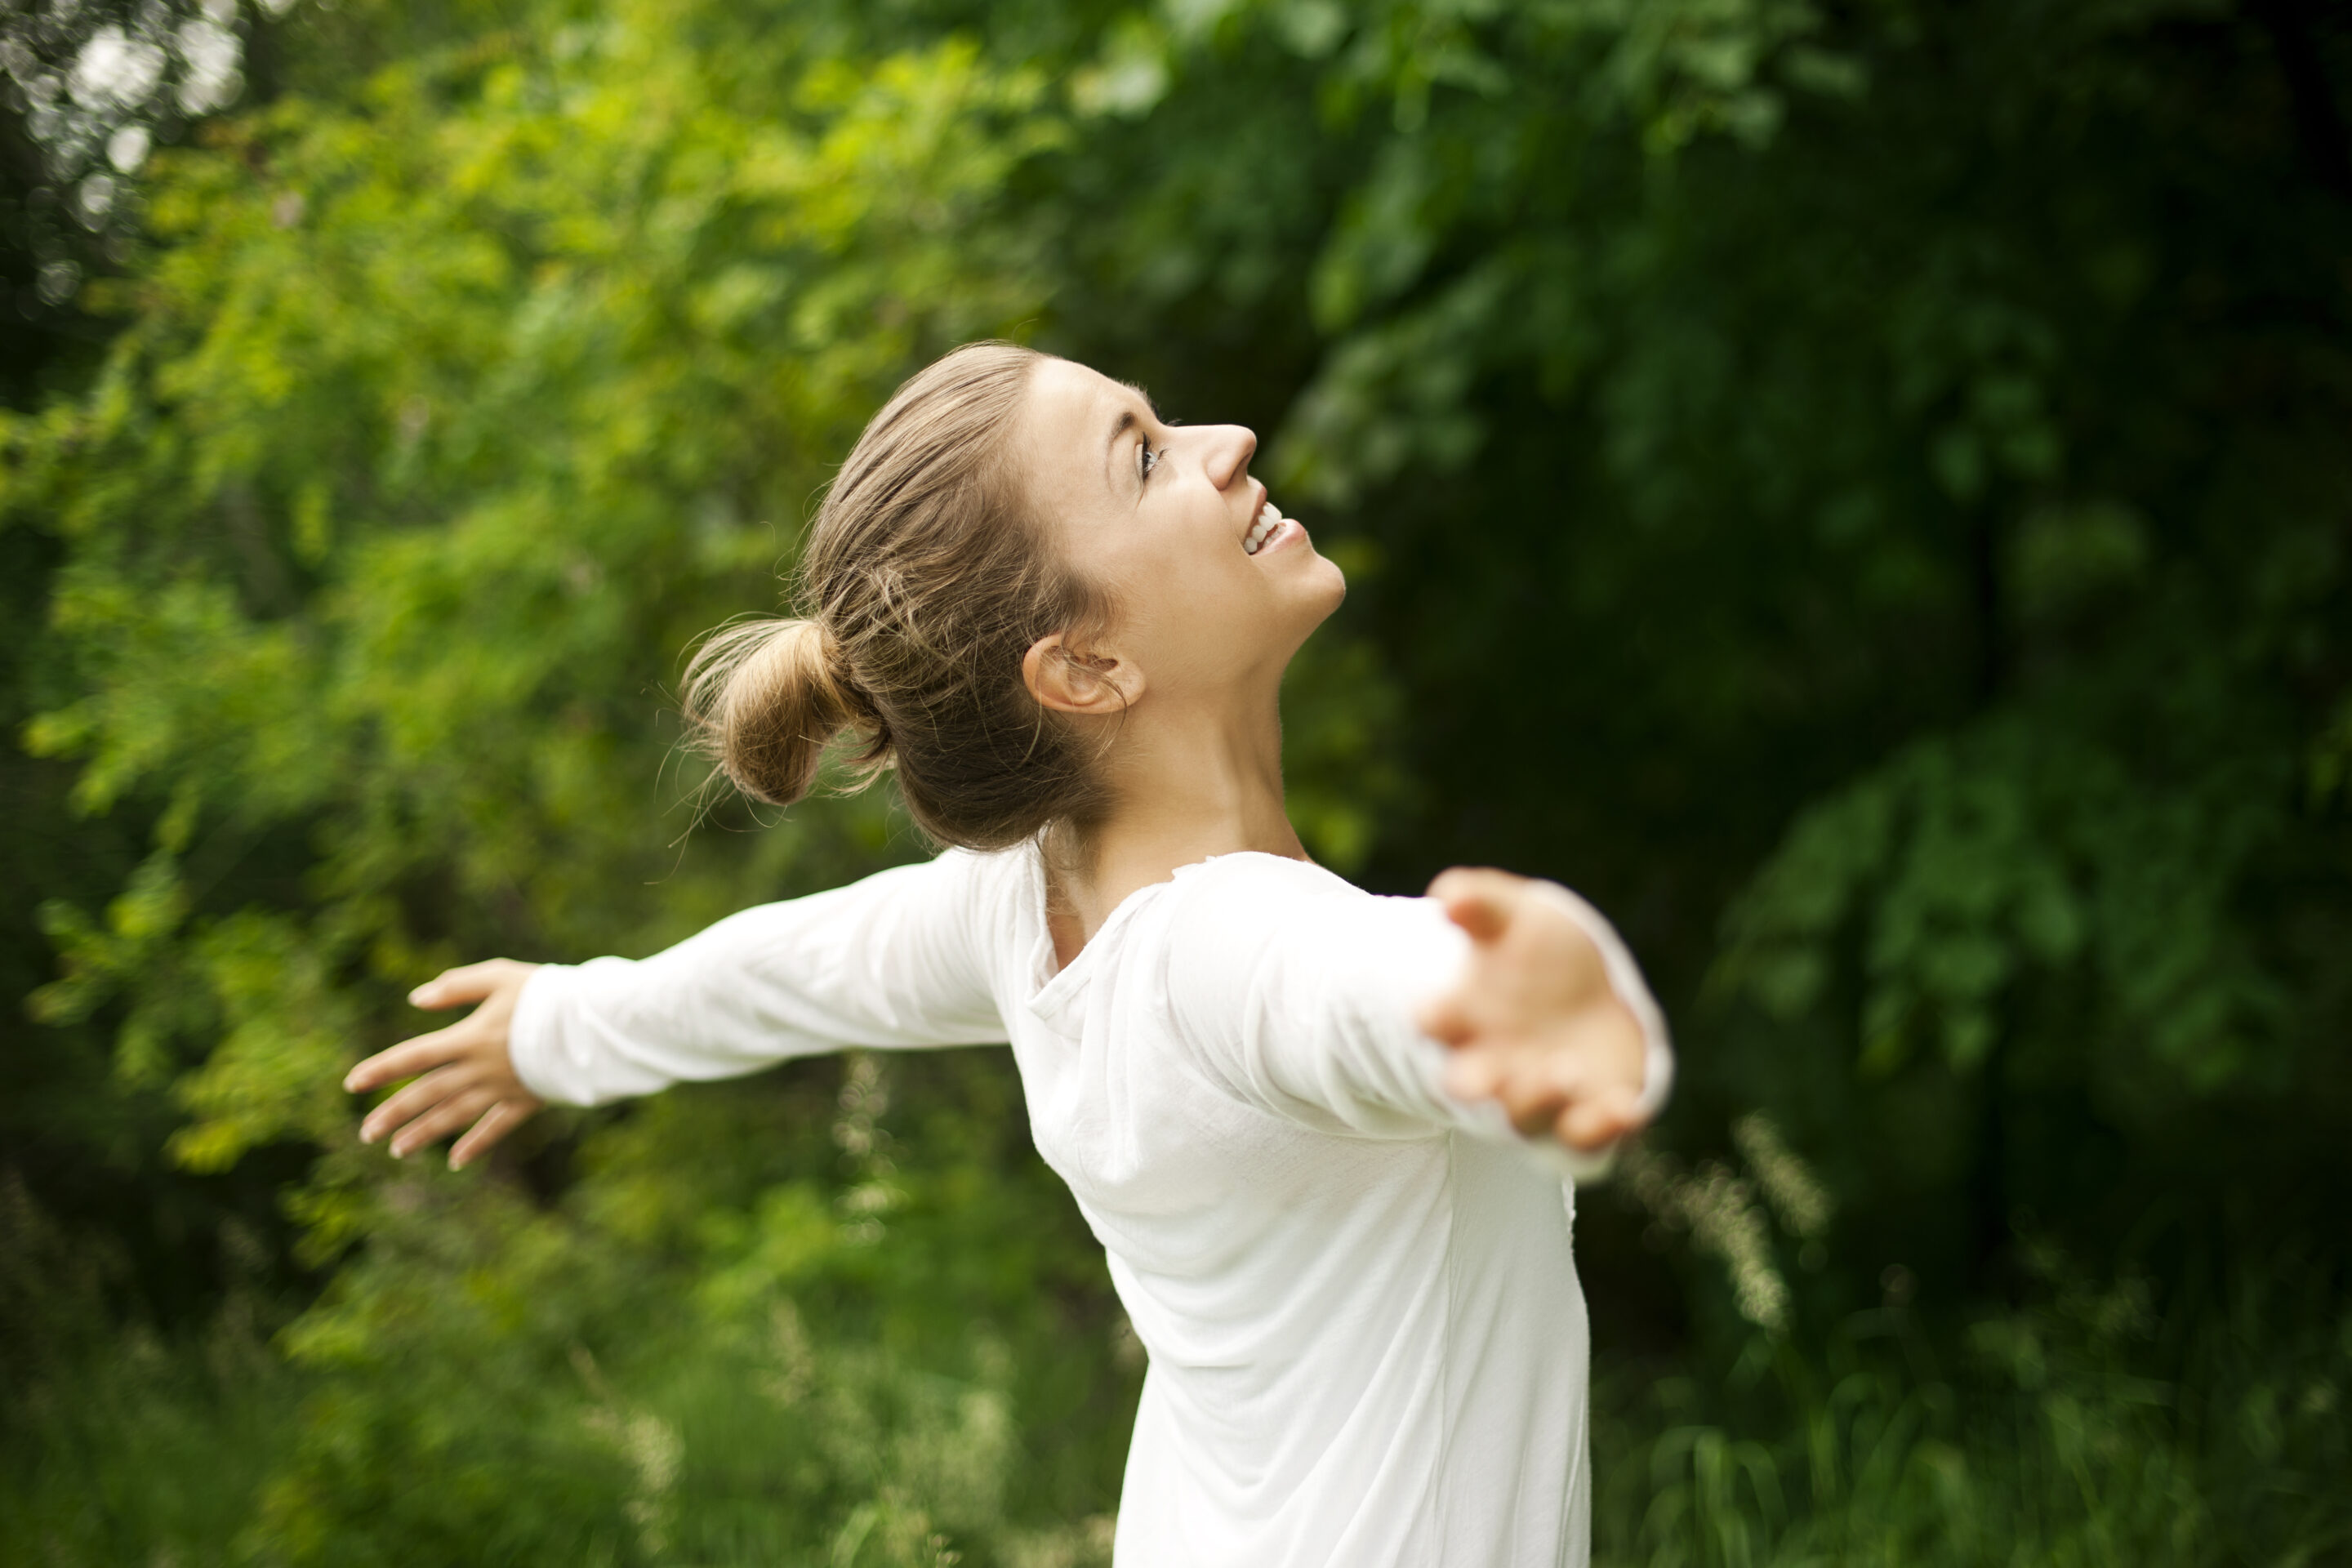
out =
column 428, row 450
column 766, row 1328
column 2068, row 1433
column 735, row 1346
column 449, row 409
column 1980, row 860
column 156, row 1451
column 1859, row 491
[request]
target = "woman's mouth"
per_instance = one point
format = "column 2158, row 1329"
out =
column 1269, row 523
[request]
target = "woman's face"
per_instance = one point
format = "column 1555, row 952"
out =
column 1209, row 586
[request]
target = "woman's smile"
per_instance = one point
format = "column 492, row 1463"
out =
column 1272, row 531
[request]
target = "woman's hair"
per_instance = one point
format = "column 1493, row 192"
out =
column 923, row 583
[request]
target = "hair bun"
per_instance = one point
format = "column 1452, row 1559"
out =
column 763, row 700
column 930, row 575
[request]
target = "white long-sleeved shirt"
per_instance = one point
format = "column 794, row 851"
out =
column 1366, row 1341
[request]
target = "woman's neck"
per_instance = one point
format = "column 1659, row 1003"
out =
column 1187, row 783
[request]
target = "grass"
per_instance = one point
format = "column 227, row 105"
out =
column 2089, row 1429
column 2083, row 1431
column 148, row 1456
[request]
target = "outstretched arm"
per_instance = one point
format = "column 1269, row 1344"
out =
column 1499, row 1005
column 896, row 960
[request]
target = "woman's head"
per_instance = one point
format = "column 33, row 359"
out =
column 1016, row 552
column 1210, row 588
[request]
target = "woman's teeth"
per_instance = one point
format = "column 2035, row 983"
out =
column 1268, row 519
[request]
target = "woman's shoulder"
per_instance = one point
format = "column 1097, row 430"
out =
column 1008, row 875
column 1254, row 873
column 1245, row 933
column 1250, row 891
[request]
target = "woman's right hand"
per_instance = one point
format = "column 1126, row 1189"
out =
column 464, row 1073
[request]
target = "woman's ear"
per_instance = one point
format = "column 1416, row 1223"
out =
column 1068, row 681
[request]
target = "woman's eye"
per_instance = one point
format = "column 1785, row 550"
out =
column 1149, row 460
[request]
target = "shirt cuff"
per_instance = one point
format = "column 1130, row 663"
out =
column 532, row 1035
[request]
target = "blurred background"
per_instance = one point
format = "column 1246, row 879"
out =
column 1863, row 489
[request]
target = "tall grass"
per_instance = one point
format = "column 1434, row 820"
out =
column 2086, row 1430
column 874, row 1359
column 149, row 1454
column 2090, row 1429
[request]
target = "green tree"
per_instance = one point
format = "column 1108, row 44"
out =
column 1859, row 489
column 450, row 406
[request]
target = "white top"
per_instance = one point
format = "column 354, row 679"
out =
column 1367, row 1340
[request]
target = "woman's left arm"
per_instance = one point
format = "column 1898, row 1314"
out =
column 1498, row 1004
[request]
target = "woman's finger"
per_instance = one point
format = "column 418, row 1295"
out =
column 1544, row 1091
column 1478, row 900
column 1448, row 1019
column 1532, row 1113
column 1509, row 1075
column 415, row 1100
column 1529, row 1096
column 1474, row 1074
column 466, row 982
column 409, row 1058
column 496, row 1122
column 1598, row 1119
column 443, row 1119
column 1582, row 1112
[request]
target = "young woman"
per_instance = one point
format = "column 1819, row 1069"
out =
column 1322, row 1135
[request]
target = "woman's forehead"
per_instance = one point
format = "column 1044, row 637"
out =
column 1063, row 390
column 1073, row 419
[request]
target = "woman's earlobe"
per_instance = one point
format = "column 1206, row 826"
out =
column 1068, row 681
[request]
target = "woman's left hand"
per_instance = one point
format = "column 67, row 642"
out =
column 1534, row 1022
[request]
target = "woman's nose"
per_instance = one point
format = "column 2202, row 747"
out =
column 1226, row 456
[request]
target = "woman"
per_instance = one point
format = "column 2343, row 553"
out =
column 1320, row 1135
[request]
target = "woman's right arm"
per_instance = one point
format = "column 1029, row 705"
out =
column 895, row 961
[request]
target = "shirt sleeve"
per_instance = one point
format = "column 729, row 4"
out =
column 1300, row 990
column 896, row 960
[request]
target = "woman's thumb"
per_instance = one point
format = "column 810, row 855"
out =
column 1476, row 899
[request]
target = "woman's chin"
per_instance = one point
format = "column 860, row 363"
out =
column 1329, row 578
column 1320, row 589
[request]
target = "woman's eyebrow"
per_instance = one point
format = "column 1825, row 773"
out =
column 1125, row 421
column 1120, row 427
